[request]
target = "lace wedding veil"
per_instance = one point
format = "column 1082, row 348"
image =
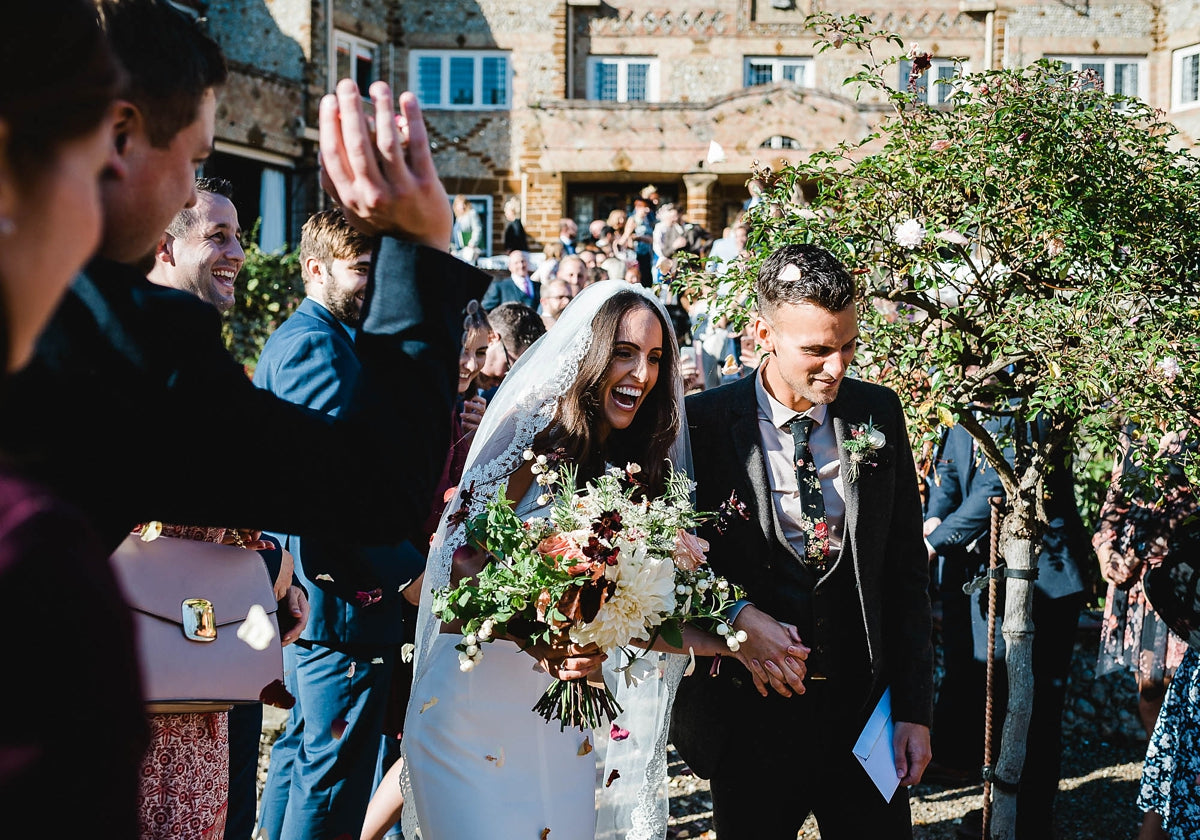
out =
column 636, row 806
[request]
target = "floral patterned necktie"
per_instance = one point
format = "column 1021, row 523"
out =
column 812, row 503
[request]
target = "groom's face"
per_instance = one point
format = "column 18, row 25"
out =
column 810, row 348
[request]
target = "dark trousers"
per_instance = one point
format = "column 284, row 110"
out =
column 788, row 757
column 959, row 721
column 245, row 732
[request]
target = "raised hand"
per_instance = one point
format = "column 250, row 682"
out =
column 386, row 183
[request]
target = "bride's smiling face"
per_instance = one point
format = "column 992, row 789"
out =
column 633, row 371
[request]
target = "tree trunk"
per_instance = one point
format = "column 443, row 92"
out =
column 1017, row 548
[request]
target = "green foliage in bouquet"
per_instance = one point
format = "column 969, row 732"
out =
column 607, row 569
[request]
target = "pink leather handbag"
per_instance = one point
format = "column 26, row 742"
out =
column 205, row 622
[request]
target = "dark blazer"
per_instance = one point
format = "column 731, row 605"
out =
column 310, row 360
column 960, row 496
column 882, row 539
column 505, row 290
column 131, row 385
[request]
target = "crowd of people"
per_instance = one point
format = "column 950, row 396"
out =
column 408, row 381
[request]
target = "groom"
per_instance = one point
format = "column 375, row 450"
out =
column 828, row 546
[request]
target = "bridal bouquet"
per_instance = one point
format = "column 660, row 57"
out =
column 606, row 567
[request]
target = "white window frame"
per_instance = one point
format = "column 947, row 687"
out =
column 355, row 46
column 1178, row 57
column 622, row 63
column 1076, row 62
column 804, row 64
column 476, row 104
column 943, row 92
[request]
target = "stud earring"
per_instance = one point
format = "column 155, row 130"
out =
column 7, row 226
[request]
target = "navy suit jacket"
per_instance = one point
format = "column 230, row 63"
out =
column 310, row 360
column 959, row 497
column 505, row 290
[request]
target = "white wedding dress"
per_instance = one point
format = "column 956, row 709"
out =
column 478, row 733
column 480, row 764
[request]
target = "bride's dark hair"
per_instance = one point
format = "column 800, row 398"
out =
column 648, row 438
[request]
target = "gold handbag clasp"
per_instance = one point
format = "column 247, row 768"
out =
column 199, row 623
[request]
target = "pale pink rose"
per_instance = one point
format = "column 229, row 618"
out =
column 561, row 545
column 690, row 551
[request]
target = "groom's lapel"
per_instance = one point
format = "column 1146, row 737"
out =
column 838, row 410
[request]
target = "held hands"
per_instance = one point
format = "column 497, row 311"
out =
column 912, row 751
column 386, row 183
column 772, row 652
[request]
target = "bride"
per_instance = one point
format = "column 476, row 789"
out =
column 603, row 384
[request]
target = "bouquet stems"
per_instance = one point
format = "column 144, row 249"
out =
column 578, row 703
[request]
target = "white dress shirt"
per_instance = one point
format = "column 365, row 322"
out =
column 779, row 452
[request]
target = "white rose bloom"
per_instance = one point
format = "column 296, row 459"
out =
column 909, row 234
column 1169, row 368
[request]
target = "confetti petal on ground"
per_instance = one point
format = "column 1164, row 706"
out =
column 337, row 728
column 277, row 695
column 585, row 747
column 325, row 577
column 612, row 777
column 257, row 630
column 617, row 733
column 378, row 660
column 428, row 704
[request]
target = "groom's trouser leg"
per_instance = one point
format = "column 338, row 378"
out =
column 789, row 757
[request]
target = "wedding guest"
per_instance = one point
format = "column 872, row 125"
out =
column 154, row 359
column 589, row 255
column 638, row 237
column 56, row 120
column 201, row 772
column 614, row 268
column 568, row 231
column 1136, row 522
column 834, row 556
column 958, row 530
column 518, row 286
column 467, row 234
column 572, row 271
column 515, row 238
column 340, row 672
column 387, row 802
column 552, row 252
column 555, row 296
column 515, row 327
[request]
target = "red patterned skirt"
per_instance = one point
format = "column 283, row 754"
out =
column 185, row 777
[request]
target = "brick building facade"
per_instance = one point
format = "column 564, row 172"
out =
column 575, row 105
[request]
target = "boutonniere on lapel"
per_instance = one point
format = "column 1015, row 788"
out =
column 729, row 512
column 862, row 448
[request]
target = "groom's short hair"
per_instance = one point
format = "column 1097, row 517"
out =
column 822, row 280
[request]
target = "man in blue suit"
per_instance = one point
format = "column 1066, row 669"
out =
column 518, row 287
column 340, row 670
column 958, row 530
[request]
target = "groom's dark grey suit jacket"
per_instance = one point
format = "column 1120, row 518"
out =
column 871, row 608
